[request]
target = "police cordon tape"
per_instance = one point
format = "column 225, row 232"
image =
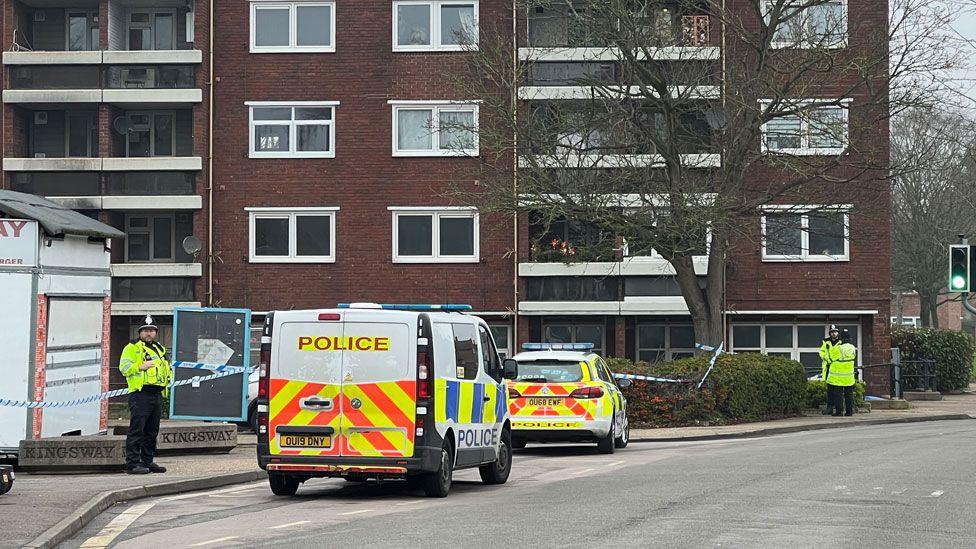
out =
column 711, row 364
column 222, row 371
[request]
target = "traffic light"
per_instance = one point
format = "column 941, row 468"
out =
column 958, row 268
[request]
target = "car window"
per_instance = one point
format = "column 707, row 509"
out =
column 465, row 351
column 550, row 371
column 601, row 371
column 489, row 355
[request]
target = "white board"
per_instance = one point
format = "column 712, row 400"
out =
column 15, row 325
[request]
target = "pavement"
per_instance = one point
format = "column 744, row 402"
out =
column 38, row 503
column 900, row 485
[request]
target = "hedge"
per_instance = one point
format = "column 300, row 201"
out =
column 743, row 387
column 817, row 393
column 951, row 350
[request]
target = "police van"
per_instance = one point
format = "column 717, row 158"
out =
column 382, row 391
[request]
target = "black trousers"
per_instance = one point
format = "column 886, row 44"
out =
column 840, row 400
column 140, row 444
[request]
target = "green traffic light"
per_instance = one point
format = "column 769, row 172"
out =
column 958, row 282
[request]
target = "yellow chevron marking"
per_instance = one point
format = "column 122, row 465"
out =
column 466, row 398
column 284, row 397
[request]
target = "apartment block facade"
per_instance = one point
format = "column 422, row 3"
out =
column 313, row 150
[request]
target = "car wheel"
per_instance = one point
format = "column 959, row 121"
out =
column 438, row 483
column 497, row 472
column 605, row 445
column 624, row 438
column 283, row 485
column 252, row 416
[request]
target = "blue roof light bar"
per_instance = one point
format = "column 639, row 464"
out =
column 557, row 346
column 409, row 307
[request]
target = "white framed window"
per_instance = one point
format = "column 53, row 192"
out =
column 812, row 131
column 822, row 25
column 435, row 235
column 907, row 321
column 292, row 129
column 794, row 340
column 502, row 334
column 292, row 27
column 665, row 342
column 576, row 333
column 291, row 235
column 150, row 29
column 819, row 234
column 150, row 237
column 435, row 25
column 435, row 128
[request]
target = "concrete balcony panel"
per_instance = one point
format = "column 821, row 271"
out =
column 52, row 57
column 157, row 269
column 569, row 269
column 152, row 97
column 78, row 202
column 543, row 93
column 151, row 57
column 191, row 202
column 569, row 307
column 155, row 308
column 654, row 305
column 700, row 160
column 52, row 96
column 51, row 164
column 672, row 53
column 158, row 163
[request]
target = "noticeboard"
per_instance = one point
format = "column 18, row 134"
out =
column 212, row 337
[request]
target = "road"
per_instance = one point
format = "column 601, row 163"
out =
column 884, row 486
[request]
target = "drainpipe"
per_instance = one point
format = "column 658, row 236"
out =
column 210, row 155
column 515, row 223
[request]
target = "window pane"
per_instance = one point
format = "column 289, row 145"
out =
column 650, row 337
column 415, row 235
column 465, row 350
column 313, row 235
column 826, row 234
column 783, row 235
column 456, row 131
column 164, row 134
column 558, row 334
column 312, row 113
column 414, row 129
column 138, row 246
column 650, row 356
column 139, row 141
column 457, row 25
column 271, row 237
column 826, row 23
column 314, row 25
column 162, row 238
column 500, row 334
column 827, row 128
column 139, row 39
column 164, row 31
column 271, row 138
column 745, row 337
column 413, row 25
column 590, row 334
column 272, row 113
column 809, row 336
column 811, row 363
column 457, row 236
column 779, row 336
column 682, row 337
column 313, row 137
column 271, row 27
column 783, row 133
column 138, row 221
column 78, row 134
column 77, row 31
column 784, row 354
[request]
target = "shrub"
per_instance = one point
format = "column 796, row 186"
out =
column 744, row 387
column 951, row 350
column 817, row 393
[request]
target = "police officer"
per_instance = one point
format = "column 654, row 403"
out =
column 840, row 377
column 148, row 374
column 829, row 350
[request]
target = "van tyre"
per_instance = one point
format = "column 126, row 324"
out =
column 438, row 483
column 624, row 438
column 497, row 472
column 283, row 485
column 252, row 416
column 518, row 443
column 605, row 445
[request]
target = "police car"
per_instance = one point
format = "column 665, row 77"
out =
column 565, row 392
column 382, row 391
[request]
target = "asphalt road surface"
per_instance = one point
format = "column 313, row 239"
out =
column 883, row 486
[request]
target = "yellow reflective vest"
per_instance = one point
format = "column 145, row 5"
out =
column 829, row 352
column 137, row 353
column 842, row 369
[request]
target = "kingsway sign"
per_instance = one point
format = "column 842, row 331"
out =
column 18, row 243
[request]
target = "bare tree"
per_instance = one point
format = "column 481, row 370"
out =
column 654, row 146
column 933, row 200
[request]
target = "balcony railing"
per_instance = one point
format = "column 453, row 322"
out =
column 89, row 77
column 557, row 28
column 149, row 183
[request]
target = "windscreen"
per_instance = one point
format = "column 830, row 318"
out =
column 550, row 371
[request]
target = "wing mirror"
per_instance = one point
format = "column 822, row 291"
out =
column 510, row 367
column 623, row 383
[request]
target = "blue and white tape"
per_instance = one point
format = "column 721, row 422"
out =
column 205, row 366
column 711, row 363
column 648, row 378
column 227, row 371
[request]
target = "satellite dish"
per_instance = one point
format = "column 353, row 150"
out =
column 122, row 125
column 192, row 245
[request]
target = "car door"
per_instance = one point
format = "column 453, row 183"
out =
column 495, row 393
column 620, row 403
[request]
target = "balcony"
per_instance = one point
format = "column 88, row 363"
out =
column 122, row 85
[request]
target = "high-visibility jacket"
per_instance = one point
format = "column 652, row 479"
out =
column 134, row 355
column 829, row 352
column 842, row 370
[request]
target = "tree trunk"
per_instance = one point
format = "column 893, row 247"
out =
column 928, row 309
column 706, row 305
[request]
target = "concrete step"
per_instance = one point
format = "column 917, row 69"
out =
column 922, row 395
column 889, row 404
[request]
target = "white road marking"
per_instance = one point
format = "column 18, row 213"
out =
column 580, row 472
column 411, row 502
column 218, row 540
column 616, row 463
column 209, row 492
column 838, row 488
column 117, row 525
column 936, row 494
column 289, row 525
column 356, row 512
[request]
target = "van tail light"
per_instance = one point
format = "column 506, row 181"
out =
column 587, row 392
column 263, row 373
column 513, row 393
column 423, row 375
column 329, row 316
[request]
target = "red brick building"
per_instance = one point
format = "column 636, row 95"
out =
column 304, row 169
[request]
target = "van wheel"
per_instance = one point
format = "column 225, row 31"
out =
column 518, row 443
column 624, row 438
column 497, row 472
column 438, row 483
column 283, row 485
column 252, row 417
column 605, row 444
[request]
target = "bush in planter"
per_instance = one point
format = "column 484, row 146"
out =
column 951, row 350
column 743, row 387
column 817, row 393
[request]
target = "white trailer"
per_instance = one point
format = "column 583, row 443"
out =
column 55, row 298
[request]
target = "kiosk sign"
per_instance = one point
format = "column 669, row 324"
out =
column 18, row 243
